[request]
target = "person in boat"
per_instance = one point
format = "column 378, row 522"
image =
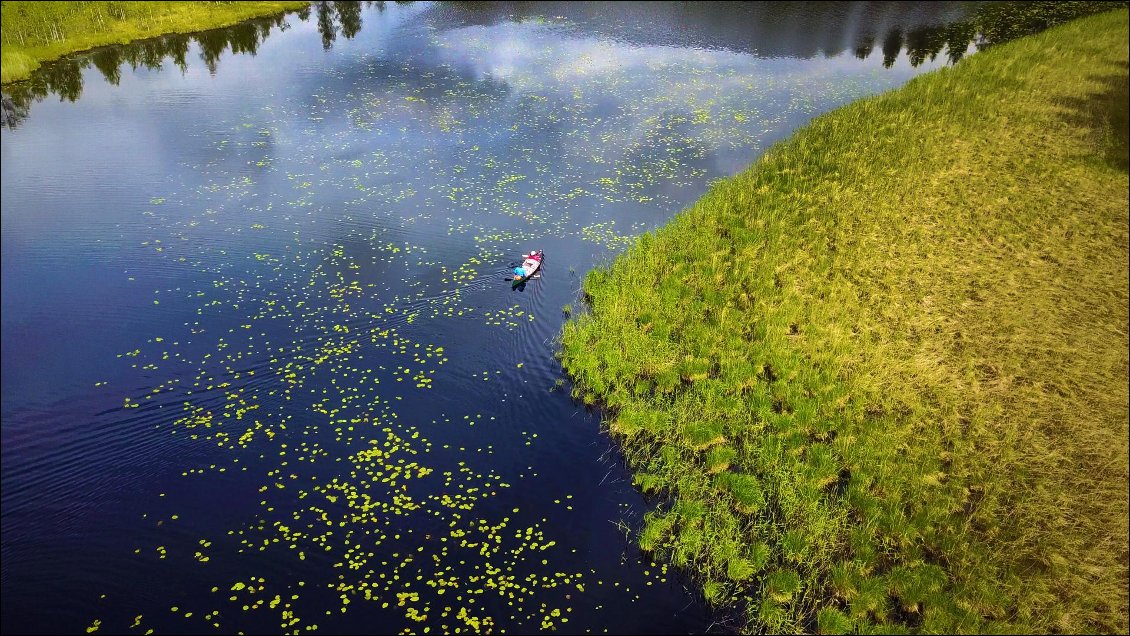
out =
column 527, row 267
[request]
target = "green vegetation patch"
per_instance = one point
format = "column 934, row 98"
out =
column 35, row 32
column 880, row 378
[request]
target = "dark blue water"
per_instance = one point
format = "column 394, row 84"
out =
column 262, row 369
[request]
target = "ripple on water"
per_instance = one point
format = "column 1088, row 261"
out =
column 265, row 348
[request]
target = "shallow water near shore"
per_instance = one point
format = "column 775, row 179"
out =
column 262, row 369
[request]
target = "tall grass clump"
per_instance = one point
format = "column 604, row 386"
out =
column 880, row 378
column 35, row 32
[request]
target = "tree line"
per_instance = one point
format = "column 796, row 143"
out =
column 991, row 24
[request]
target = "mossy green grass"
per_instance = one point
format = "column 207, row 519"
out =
column 878, row 381
column 37, row 32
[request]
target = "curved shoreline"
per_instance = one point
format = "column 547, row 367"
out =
column 881, row 375
column 20, row 62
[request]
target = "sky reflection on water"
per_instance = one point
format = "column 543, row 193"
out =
column 264, row 293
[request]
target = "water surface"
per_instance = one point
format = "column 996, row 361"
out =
column 262, row 370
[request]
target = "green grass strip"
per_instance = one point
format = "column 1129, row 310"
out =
column 880, row 378
column 36, row 32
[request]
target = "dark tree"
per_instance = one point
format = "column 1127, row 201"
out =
column 864, row 47
column 212, row 46
column 244, row 38
column 924, row 43
column 892, row 45
column 326, row 24
column 349, row 14
column 64, row 78
column 108, row 60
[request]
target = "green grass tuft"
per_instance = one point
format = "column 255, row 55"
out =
column 908, row 400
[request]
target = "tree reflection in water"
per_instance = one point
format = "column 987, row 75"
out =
column 990, row 24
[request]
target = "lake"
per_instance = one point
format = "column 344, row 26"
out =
column 263, row 370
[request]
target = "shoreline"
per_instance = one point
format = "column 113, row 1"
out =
column 158, row 19
column 873, row 372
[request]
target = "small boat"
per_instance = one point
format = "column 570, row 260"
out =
column 531, row 263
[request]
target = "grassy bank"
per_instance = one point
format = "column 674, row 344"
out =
column 36, row 32
column 879, row 380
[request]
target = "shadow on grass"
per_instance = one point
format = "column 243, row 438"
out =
column 1106, row 114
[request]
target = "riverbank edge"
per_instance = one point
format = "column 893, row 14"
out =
column 847, row 371
column 18, row 63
